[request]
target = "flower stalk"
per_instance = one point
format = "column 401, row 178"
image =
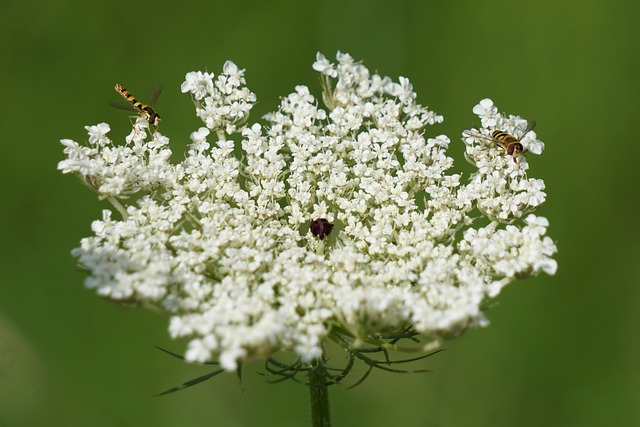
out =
column 319, row 395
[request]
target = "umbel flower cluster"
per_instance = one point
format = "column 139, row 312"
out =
column 271, row 236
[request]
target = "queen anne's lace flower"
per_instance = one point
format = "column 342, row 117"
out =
column 339, row 218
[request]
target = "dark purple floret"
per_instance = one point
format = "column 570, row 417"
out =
column 321, row 227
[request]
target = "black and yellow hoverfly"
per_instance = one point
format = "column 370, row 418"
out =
column 146, row 111
column 509, row 143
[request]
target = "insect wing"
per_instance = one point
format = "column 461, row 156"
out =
column 155, row 94
column 477, row 136
column 530, row 125
column 123, row 106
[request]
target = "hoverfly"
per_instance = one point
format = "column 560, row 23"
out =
column 509, row 143
column 146, row 111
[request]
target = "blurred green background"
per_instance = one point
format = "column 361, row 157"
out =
column 561, row 351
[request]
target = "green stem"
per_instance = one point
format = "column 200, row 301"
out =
column 116, row 204
column 319, row 394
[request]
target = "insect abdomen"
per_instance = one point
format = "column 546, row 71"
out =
column 127, row 95
column 504, row 137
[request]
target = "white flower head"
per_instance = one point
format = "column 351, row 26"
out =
column 199, row 84
column 98, row 134
column 224, row 103
column 487, row 112
column 323, row 66
column 319, row 223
